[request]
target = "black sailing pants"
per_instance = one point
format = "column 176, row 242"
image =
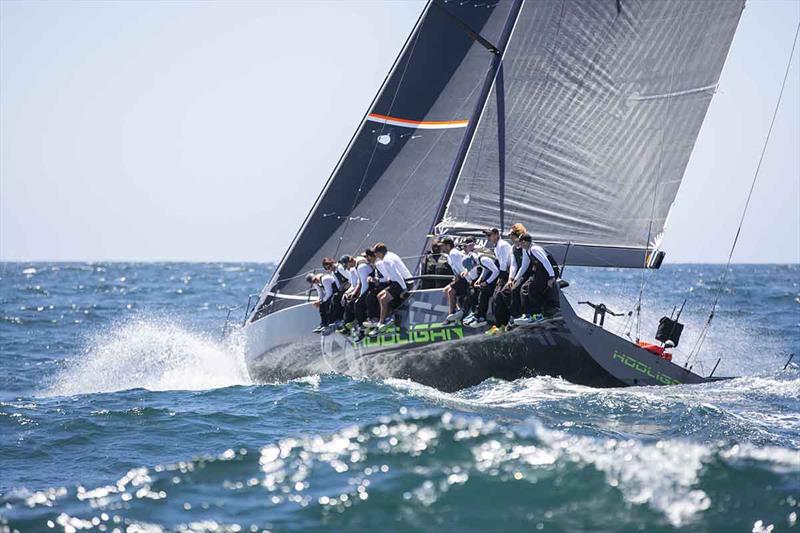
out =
column 324, row 312
column 508, row 302
column 534, row 291
column 336, row 310
column 367, row 305
column 349, row 309
column 484, row 295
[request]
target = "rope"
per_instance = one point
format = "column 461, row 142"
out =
column 704, row 333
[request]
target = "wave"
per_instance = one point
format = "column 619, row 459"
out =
column 429, row 470
column 152, row 354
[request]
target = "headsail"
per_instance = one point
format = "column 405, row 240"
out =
column 390, row 182
column 586, row 138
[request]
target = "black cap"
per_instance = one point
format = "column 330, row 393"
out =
column 345, row 259
column 526, row 237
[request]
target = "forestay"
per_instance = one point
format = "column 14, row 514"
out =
column 391, row 181
column 589, row 128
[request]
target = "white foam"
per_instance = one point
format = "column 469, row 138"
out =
column 154, row 355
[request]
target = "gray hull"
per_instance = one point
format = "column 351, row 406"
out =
column 281, row 346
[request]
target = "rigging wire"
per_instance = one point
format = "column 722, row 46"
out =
column 704, row 333
column 375, row 147
column 645, row 278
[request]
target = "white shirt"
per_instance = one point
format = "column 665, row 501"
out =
column 392, row 268
column 352, row 275
column 523, row 268
column 364, row 270
column 325, row 287
column 472, row 274
column 490, row 269
column 504, row 254
column 539, row 253
column 336, row 281
column 342, row 272
column 455, row 258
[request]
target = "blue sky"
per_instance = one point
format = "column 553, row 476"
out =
column 204, row 131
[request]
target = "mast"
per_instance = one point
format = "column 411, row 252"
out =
column 488, row 82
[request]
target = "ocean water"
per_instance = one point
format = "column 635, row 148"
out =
column 122, row 407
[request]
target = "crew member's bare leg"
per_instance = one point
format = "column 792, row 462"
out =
column 385, row 299
column 451, row 298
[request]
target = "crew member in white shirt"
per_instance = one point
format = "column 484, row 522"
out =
column 365, row 267
column 347, row 265
column 324, row 285
column 484, row 287
column 395, row 272
column 502, row 251
column 459, row 287
column 542, row 277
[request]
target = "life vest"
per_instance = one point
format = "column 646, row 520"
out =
column 343, row 281
column 490, row 255
column 656, row 349
column 361, row 260
column 517, row 252
column 535, row 263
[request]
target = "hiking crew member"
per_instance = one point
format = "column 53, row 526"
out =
column 459, row 287
column 503, row 253
column 324, row 285
column 542, row 277
column 470, row 301
column 335, row 311
column 395, row 272
column 348, row 264
column 366, row 271
column 484, row 287
column 507, row 300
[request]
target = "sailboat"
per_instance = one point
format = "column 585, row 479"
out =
column 576, row 118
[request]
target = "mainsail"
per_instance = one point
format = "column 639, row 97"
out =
column 594, row 115
column 389, row 185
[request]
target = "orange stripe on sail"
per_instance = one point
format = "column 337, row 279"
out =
column 432, row 124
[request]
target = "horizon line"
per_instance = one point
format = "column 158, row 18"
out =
column 273, row 262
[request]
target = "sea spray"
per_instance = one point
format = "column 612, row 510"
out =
column 152, row 354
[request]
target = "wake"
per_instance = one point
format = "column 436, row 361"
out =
column 155, row 355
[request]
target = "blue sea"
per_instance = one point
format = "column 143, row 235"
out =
column 123, row 407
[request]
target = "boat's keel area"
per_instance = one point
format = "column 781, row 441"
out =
column 451, row 357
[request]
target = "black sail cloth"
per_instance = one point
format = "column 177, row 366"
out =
column 391, row 180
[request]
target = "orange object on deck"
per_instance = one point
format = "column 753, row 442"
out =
column 656, row 349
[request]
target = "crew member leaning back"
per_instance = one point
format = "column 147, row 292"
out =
column 393, row 269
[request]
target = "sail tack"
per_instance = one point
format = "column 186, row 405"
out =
column 592, row 121
column 390, row 182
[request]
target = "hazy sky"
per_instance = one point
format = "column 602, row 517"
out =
column 204, row 130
